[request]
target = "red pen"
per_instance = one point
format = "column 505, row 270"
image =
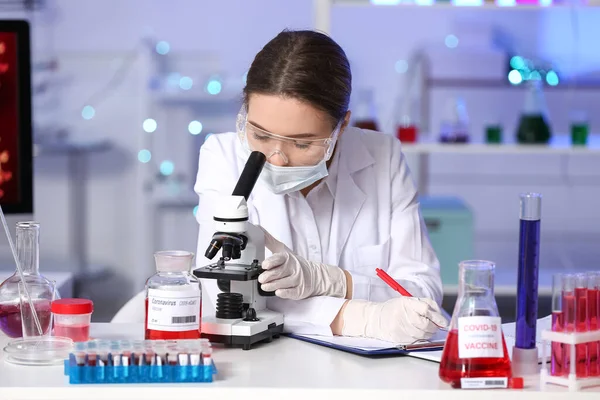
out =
column 391, row 282
column 398, row 288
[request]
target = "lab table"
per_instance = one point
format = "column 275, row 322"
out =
column 285, row 368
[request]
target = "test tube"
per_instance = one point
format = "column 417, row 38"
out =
column 581, row 323
column 593, row 280
column 557, row 353
column 568, row 308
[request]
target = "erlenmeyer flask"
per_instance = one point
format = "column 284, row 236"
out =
column 43, row 291
column 534, row 127
column 475, row 346
column 365, row 115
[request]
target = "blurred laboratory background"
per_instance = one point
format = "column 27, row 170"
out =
column 489, row 99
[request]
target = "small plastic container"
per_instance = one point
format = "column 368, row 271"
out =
column 72, row 318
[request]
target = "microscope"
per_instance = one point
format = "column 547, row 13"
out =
column 242, row 318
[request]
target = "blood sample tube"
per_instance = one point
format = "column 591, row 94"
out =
column 568, row 307
column 556, row 365
column 581, row 323
column 593, row 279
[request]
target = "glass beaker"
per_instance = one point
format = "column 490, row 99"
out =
column 475, row 346
column 27, row 246
column 42, row 295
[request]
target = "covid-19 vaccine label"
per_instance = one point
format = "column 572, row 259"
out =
column 480, row 337
column 173, row 311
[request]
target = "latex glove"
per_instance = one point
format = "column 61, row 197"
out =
column 293, row 277
column 402, row 320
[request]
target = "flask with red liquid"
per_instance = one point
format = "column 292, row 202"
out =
column 173, row 298
column 41, row 290
column 475, row 354
column 365, row 116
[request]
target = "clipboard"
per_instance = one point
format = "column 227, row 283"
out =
column 373, row 347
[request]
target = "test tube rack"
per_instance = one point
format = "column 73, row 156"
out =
column 140, row 361
column 571, row 381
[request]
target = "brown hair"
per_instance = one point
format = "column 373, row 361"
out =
column 305, row 65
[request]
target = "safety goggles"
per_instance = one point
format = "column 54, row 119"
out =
column 292, row 151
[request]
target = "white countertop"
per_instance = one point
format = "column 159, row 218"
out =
column 271, row 370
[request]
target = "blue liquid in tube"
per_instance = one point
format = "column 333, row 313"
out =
column 529, row 257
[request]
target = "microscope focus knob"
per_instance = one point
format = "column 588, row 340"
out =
column 251, row 315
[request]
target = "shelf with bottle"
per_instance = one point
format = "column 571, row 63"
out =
column 493, row 4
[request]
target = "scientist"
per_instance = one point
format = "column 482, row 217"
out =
column 335, row 202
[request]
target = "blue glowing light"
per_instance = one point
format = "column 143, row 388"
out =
column 213, row 87
column 401, row 66
column 167, row 167
column 149, row 125
column 515, row 77
column 162, row 47
column 88, row 112
column 517, row 62
column 186, row 83
column 451, row 41
column 552, row 78
column 195, row 127
column 144, row 156
column 195, row 211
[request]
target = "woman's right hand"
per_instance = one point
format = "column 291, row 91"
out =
column 401, row 320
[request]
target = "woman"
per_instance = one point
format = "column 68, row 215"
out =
column 335, row 202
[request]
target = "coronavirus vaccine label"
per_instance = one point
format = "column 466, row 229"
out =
column 173, row 311
column 480, row 337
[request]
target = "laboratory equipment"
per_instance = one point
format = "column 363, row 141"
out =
column 450, row 226
column 407, row 125
column 575, row 343
column 42, row 295
column 455, row 124
column 557, row 349
column 525, row 353
column 493, row 134
column 140, row 361
column 475, row 354
column 27, row 249
column 16, row 150
column 50, row 350
column 593, row 281
column 365, row 114
column 242, row 317
column 579, row 129
column 173, row 298
column 72, row 318
column 534, row 126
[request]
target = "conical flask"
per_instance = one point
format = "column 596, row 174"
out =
column 475, row 346
column 534, row 127
column 366, row 115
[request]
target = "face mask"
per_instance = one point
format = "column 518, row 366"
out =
column 283, row 180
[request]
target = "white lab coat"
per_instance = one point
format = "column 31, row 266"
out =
column 376, row 223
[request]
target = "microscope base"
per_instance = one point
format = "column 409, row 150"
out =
column 240, row 333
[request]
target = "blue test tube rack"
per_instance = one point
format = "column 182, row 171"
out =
column 182, row 361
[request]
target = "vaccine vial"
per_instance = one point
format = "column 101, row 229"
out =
column 475, row 354
column 173, row 298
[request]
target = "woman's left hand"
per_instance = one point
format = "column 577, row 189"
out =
column 293, row 277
